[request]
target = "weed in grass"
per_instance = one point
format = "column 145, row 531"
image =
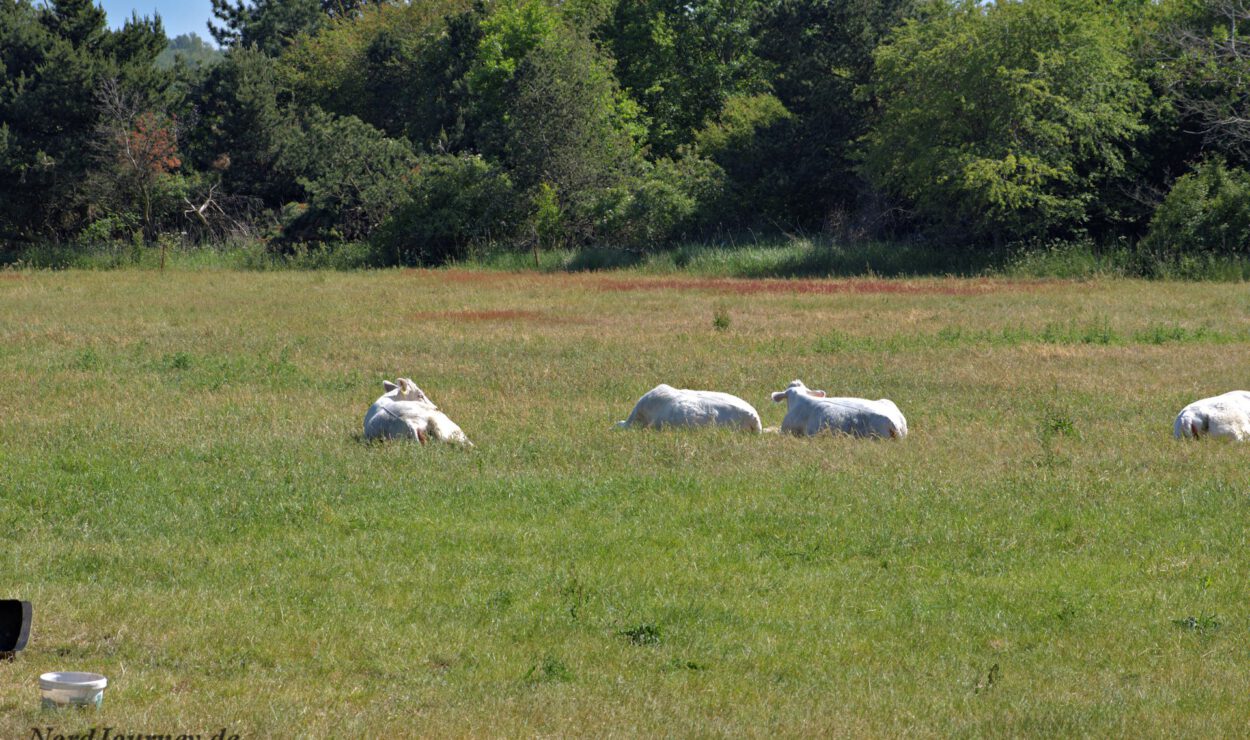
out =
column 643, row 634
column 575, row 595
column 177, row 361
column 836, row 342
column 986, row 682
column 720, row 319
column 1172, row 333
column 1055, row 421
column 1201, row 624
column 86, row 359
column 549, row 669
column 500, row 600
column 677, row 664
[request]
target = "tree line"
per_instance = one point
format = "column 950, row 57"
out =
column 425, row 131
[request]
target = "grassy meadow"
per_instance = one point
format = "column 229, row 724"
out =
column 185, row 498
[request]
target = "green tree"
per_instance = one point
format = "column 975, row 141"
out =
column 820, row 52
column 137, row 156
column 1005, row 120
column 568, row 127
column 352, row 175
column 453, row 202
column 191, row 50
column 681, row 61
column 241, row 126
column 55, row 57
column 1207, row 210
column 397, row 67
column 1204, row 71
column 270, row 25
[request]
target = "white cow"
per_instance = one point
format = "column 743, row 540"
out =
column 1226, row 416
column 666, row 406
column 811, row 412
column 405, row 411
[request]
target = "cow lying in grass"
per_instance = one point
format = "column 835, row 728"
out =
column 1226, row 417
column 666, row 406
column 405, row 411
column 811, row 412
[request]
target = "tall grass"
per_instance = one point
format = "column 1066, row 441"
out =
column 739, row 256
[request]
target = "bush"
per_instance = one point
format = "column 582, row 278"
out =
column 1207, row 211
column 663, row 204
column 453, row 202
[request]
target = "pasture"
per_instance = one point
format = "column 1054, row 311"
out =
column 185, row 497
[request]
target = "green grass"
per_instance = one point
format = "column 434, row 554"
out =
column 186, row 500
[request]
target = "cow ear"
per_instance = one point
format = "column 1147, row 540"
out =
column 817, row 394
column 388, row 386
column 779, row 396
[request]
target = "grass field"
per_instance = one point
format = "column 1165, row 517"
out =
column 185, row 498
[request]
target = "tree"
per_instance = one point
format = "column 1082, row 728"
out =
column 820, row 52
column 136, row 149
column 190, row 49
column 54, row 59
column 681, row 61
column 270, row 25
column 391, row 66
column 1205, row 70
column 352, row 175
column 569, row 128
column 453, row 202
column 1005, row 120
column 1207, row 210
column 242, row 125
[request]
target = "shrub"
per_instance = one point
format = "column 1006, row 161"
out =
column 1207, row 210
column 665, row 203
column 453, row 202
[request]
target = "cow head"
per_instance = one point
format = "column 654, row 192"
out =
column 796, row 387
column 405, row 390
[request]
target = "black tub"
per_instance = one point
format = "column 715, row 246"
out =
column 14, row 626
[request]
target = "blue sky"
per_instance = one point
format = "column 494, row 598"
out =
column 179, row 16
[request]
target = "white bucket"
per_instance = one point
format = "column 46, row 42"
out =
column 72, row 689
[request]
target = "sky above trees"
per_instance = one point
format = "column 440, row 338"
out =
column 178, row 16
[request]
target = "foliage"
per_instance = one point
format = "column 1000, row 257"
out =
column 546, row 218
column 1205, row 71
column 649, row 122
column 1004, row 120
column 54, row 58
column 352, row 175
column 137, row 154
column 270, row 25
column 667, row 201
column 382, row 66
column 189, row 49
column 1207, row 210
column 242, row 125
column 821, row 53
column 735, row 141
column 570, row 127
column 681, row 62
column 452, row 203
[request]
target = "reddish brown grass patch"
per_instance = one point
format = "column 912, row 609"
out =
column 496, row 316
column 867, row 286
